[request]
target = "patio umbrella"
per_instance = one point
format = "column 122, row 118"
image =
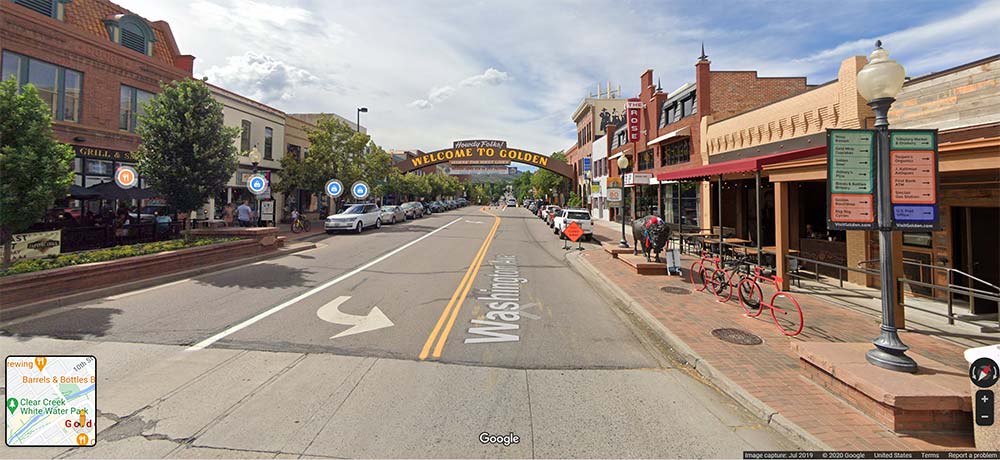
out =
column 82, row 193
column 111, row 191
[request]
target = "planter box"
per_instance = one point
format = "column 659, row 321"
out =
column 49, row 284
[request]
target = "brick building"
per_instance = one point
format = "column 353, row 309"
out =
column 670, row 136
column 94, row 62
column 784, row 145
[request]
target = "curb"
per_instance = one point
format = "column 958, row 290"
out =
column 70, row 299
column 690, row 358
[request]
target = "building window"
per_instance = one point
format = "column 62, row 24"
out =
column 245, row 127
column 294, row 151
column 50, row 8
column 673, row 111
column 59, row 87
column 132, row 32
column 132, row 105
column 646, row 160
column 268, row 142
column 676, row 153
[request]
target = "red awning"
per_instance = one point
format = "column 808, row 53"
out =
column 741, row 165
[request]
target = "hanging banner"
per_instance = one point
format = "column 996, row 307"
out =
column 850, row 181
column 632, row 107
column 913, row 179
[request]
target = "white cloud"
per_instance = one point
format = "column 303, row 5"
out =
column 262, row 78
column 490, row 77
column 428, row 77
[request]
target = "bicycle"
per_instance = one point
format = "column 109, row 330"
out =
column 300, row 225
column 698, row 270
column 722, row 277
column 787, row 315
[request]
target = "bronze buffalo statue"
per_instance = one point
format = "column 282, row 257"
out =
column 651, row 235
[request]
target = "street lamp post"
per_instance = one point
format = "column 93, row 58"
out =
column 255, row 158
column 879, row 82
column 622, row 166
column 360, row 110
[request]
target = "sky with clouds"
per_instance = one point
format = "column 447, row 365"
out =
column 433, row 71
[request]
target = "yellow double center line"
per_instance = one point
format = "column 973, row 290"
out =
column 447, row 319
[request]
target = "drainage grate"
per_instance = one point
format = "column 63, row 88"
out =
column 737, row 336
column 675, row 290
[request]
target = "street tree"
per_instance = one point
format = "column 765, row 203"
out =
column 546, row 182
column 339, row 152
column 187, row 152
column 35, row 169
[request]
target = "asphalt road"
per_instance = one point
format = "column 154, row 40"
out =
column 407, row 341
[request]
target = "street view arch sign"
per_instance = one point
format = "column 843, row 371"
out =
column 484, row 152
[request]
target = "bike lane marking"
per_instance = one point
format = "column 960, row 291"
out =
column 215, row 338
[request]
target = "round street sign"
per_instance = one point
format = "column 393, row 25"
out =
column 126, row 177
column 257, row 184
column 334, row 188
column 360, row 190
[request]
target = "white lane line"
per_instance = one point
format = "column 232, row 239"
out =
column 140, row 291
column 215, row 338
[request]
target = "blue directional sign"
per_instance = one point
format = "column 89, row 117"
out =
column 360, row 190
column 257, row 184
column 334, row 188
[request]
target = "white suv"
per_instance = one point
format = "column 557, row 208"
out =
column 356, row 217
column 580, row 216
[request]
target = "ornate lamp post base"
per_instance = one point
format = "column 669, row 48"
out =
column 889, row 353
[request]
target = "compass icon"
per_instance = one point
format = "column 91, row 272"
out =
column 984, row 372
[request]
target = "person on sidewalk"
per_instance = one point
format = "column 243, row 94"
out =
column 244, row 214
column 227, row 214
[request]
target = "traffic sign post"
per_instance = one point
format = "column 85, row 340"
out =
column 126, row 177
column 360, row 190
column 573, row 233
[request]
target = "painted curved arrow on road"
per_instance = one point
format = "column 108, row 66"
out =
column 331, row 313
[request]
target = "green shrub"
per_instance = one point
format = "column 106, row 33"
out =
column 101, row 255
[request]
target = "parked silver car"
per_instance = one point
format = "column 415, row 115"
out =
column 393, row 214
column 412, row 209
column 356, row 217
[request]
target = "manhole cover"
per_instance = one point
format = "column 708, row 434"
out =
column 737, row 336
column 675, row 290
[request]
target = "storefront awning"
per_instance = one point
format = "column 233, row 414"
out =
column 685, row 131
column 741, row 165
column 623, row 152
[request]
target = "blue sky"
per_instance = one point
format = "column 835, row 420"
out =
column 435, row 71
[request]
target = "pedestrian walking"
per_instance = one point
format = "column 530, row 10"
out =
column 227, row 214
column 244, row 214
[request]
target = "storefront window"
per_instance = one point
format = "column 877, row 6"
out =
column 99, row 168
column 646, row 160
column 918, row 239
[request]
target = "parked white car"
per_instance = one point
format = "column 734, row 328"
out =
column 356, row 217
column 580, row 216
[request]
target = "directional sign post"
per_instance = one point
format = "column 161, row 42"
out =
column 913, row 171
column 334, row 188
column 360, row 190
column 126, row 177
column 851, row 179
column 257, row 184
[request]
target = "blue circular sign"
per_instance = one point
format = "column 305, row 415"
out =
column 257, row 184
column 360, row 190
column 334, row 188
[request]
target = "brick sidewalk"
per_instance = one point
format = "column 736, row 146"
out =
column 770, row 372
